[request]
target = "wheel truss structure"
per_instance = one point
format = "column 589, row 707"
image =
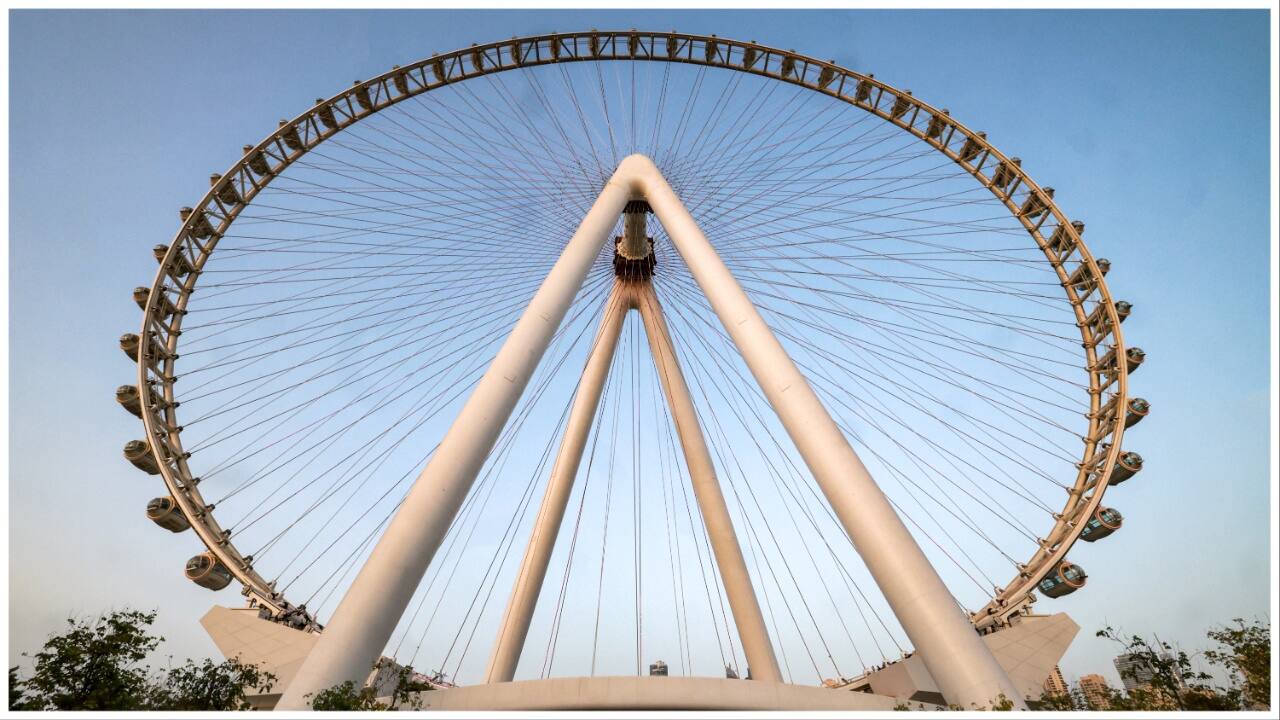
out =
column 1106, row 359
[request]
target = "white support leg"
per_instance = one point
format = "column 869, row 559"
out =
column 372, row 606
column 963, row 666
column 706, row 488
column 533, row 569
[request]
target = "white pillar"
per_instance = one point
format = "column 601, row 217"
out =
column 363, row 622
column 964, row 668
column 706, row 488
column 533, row 569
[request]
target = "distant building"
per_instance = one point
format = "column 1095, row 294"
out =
column 1137, row 673
column 1096, row 692
column 1055, row 684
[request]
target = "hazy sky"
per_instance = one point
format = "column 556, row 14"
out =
column 1152, row 126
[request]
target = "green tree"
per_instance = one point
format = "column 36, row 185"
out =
column 208, row 686
column 347, row 697
column 94, row 665
column 1173, row 684
column 1245, row 653
column 99, row 664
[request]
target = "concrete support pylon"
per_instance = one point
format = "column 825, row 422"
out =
column 546, row 526
column 706, row 489
column 743, row 603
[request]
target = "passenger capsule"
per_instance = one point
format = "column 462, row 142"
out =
column 401, row 81
column 130, row 399
column 1126, row 467
column 1004, row 172
column 227, row 193
column 1034, row 206
column 1102, row 523
column 972, row 146
column 1123, row 308
column 1136, row 356
column 826, row 76
column 901, row 105
column 593, row 44
column 164, row 305
column 181, row 265
column 1060, row 241
column 1138, row 409
column 257, row 161
column 1063, row 580
column 130, row 344
column 1083, row 279
column 633, row 47
column 711, row 48
column 673, row 46
column 290, row 136
column 437, row 67
column 200, row 225
column 325, row 113
column 749, row 57
column 205, row 571
column 863, row 92
column 139, row 453
column 937, row 124
column 164, row 512
column 788, row 66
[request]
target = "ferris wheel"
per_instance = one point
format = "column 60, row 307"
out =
column 327, row 308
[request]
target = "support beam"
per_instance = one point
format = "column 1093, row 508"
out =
column 537, row 556
column 706, row 489
column 364, row 620
column 965, row 670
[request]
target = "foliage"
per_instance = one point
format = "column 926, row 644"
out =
column 1173, row 683
column 1246, row 655
column 94, row 665
column 209, row 686
column 347, row 697
column 1057, row 701
column 98, row 664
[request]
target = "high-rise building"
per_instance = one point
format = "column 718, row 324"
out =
column 1055, row 684
column 1136, row 672
column 1096, row 692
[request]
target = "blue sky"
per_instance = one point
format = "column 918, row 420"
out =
column 1152, row 126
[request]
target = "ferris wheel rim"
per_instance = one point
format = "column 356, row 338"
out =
column 235, row 190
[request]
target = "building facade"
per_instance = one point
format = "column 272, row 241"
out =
column 1137, row 673
column 1096, row 692
column 1055, row 684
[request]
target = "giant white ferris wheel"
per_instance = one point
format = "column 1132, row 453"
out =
column 389, row 374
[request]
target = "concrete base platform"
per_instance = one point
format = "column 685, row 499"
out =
column 650, row 693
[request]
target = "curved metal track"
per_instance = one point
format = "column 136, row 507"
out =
column 1107, row 359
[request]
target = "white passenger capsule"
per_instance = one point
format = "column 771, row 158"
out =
column 164, row 512
column 1063, row 580
column 1126, row 467
column 139, row 453
column 205, row 571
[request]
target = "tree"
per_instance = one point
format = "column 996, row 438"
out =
column 347, row 697
column 1245, row 655
column 1168, row 681
column 209, row 686
column 94, row 665
column 98, row 664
